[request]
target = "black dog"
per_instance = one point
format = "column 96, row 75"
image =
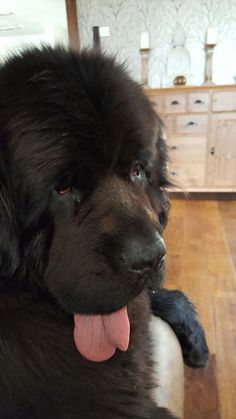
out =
column 83, row 205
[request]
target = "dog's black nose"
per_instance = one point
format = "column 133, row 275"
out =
column 143, row 255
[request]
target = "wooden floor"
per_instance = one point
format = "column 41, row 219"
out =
column 201, row 245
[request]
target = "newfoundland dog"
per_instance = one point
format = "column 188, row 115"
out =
column 83, row 204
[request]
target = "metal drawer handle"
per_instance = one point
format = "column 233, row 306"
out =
column 174, row 173
column 174, row 147
column 199, row 102
column 175, row 102
column 191, row 123
column 212, row 151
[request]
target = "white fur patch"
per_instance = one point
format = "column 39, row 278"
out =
column 168, row 367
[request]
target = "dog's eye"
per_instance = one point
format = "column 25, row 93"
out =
column 62, row 190
column 137, row 172
column 64, row 187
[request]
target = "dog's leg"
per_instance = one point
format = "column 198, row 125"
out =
column 178, row 311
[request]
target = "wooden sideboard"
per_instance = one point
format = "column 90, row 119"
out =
column 201, row 135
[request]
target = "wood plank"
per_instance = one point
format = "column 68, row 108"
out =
column 186, row 89
column 225, row 326
column 201, row 393
column 201, row 256
column 228, row 216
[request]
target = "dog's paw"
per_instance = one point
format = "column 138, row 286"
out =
column 178, row 311
column 194, row 347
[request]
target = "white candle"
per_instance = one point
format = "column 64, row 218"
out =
column 211, row 36
column 144, row 41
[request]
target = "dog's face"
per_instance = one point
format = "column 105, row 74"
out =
column 83, row 176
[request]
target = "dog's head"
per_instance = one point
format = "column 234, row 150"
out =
column 82, row 180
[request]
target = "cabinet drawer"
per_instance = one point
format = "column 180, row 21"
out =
column 187, row 149
column 187, row 157
column 169, row 122
column 188, row 124
column 175, row 103
column 224, row 101
column 198, row 102
column 157, row 102
column 187, row 175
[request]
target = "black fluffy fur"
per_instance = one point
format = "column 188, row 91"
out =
column 76, row 121
column 179, row 312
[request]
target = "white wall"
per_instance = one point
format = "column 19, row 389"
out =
column 128, row 18
column 38, row 22
column 52, row 35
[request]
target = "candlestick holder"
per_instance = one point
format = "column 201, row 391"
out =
column 209, row 48
column 144, row 65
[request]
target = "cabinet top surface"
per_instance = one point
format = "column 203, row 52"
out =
column 189, row 89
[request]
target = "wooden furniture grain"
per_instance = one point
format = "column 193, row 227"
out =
column 201, row 135
column 201, row 261
column 72, row 23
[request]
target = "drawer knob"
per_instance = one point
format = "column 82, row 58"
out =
column 175, row 102
column 212, row 151
column 173, row 147
column 174, row 173
column 191, row 123
column 199, row 102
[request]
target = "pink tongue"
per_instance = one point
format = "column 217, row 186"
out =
column 97, row 337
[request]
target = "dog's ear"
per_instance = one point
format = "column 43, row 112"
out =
column 161, row 179
column 9, row 256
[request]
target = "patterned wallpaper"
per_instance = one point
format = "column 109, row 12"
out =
column 128, row 18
